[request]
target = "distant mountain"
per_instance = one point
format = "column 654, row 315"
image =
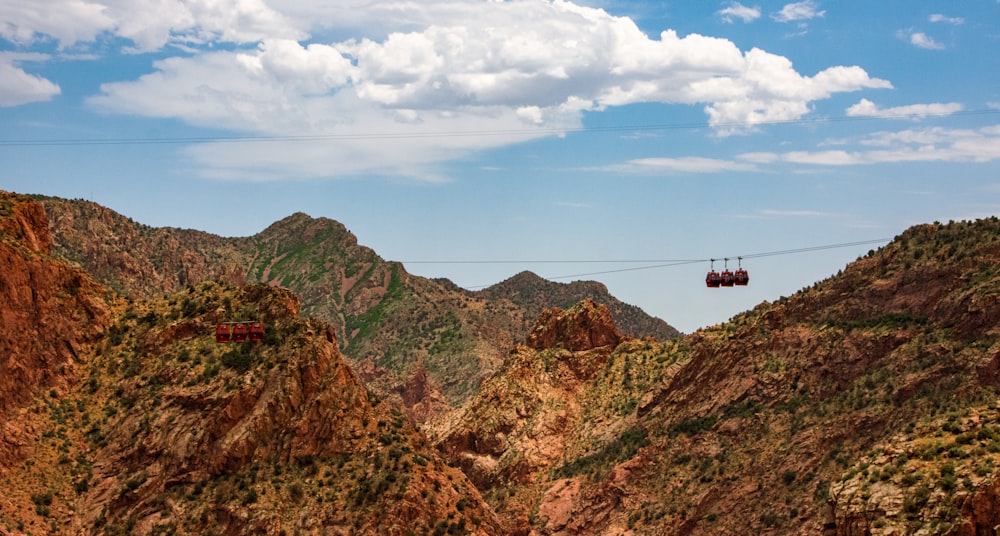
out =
column 423, row 342
column 536, row 294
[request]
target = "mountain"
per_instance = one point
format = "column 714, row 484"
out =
column 425, row 343
column 866, row 404
column 536, row 294
column 124, row 416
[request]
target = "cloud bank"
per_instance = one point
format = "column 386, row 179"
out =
column 418, row 84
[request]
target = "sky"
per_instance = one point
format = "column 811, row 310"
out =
column 621, row 141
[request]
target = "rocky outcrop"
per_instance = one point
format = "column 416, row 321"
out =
column 531, row 416
column 584, row 327
column 50, row 312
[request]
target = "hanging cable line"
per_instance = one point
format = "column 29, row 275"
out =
column 470, row 133
column 667, row 263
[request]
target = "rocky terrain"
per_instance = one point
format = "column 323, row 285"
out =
column 130, row 419
column 867, row 404
column 424, row 343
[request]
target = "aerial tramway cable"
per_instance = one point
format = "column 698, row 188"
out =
column 660, row 263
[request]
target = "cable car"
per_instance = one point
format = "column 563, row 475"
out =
column 222, row 333
column 727, row 278
column 713, row 279
column 256, row 331
column 239, row 332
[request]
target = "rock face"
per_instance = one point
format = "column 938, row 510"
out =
column 584, row 327
column 541, row 410
column 49, row 313
column 131, row 419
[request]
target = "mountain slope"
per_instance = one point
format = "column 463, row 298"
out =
column 50, row 312
column 141, row 423
column 864, row 405
column 424, row 343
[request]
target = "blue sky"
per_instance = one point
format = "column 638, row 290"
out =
column 521, row 131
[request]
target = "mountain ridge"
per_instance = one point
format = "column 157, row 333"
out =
column 397, row 327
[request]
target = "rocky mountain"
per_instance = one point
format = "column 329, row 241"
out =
column 425, row 343
column 124, row 416
column 867, row 404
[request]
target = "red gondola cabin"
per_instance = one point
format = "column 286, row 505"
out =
column 727, row 278
column 222, row 333
column 239, row 333
column 713, row 279
column 742, row 277
column 256, row 331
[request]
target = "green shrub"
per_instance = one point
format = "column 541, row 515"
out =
column 788, row 477
column 240, row 358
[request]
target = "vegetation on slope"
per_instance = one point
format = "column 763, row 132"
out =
column 863, row 405
column 399, row 328
column 169, row 432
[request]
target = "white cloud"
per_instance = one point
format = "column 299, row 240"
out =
column 438, row 80
column 737, row 10
column 149, row 24
column 690, row 164
column 867, row 108
column 19, row 87
column 914, row 145
column 66, row 21
column 799, row 11
column 922, row 40
column 937, row 17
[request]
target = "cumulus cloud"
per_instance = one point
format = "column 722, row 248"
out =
column 435, row 81
column 799, row 11
column 736, row 10
column 20, row 87
column 149, row 24
column 66, row 21
column 867, row 108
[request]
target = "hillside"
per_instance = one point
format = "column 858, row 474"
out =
column 424, row 343
column 867, row 404
column 130, row 419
